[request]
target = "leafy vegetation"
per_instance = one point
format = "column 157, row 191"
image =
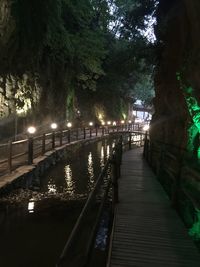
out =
column 80, row 50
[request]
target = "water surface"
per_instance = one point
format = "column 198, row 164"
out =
column 35, row 223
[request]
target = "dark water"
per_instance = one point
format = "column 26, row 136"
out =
column 75, row 178
column 35, row 224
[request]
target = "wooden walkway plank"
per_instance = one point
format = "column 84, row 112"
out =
column 147, row 231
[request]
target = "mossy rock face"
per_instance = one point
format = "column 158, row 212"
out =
column 7, row 24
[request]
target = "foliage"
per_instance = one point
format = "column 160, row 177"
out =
column 144, row 89
column 133, row 16
column 84, row 48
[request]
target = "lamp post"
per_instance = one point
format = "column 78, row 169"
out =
column 53, row 127
column 114, row 125
column 91, row 124
column 122, row 123
column 108, row 123
column 129, row 125
column 103, row 124
column 31, row 130
column 69, row 125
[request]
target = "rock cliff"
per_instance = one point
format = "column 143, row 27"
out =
column 178, row 46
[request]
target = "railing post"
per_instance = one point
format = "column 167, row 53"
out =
column 141, row 139
column 115, row 172
column 69, row 136
column 176, row 186
column 84, row 133
column 145, row 146
column 90, row 132
column 30, row 150
column 102, row 131
column 43, row 143
column 53, row 140
column 129, row 141
column 77, row 134
column 120, row 150
column 96, row 131
column 61, row 137
column 10, row 156
column 151, row 154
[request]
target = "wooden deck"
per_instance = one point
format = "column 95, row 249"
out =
column 147, row 231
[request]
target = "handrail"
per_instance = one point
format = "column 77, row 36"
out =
column 114, row 161
column 173, row 171
column 49, row 141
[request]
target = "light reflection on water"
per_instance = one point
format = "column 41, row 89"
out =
column 102, row 157
column 107, row 151
column 31, row 205
column 76, row 177
column 90, row 170
column 69, row 180
column 51, row 188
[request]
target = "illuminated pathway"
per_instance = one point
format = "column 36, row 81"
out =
column 147, row 231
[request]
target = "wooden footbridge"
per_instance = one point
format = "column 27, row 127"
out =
column 146, row 230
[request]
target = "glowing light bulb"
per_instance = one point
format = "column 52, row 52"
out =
column 54, row 125
column 31, row 130
column 69, row 124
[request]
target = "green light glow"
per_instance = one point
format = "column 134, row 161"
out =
column 194, row 111
column 195, row 229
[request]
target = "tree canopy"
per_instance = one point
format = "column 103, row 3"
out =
column 75, row 49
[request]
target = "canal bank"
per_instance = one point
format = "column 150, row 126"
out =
column 25, row 176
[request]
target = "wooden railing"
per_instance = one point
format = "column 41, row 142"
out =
column 17, row 153
column 178, row 172
column 77, row 252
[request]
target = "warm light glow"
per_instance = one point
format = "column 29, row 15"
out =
column 138, row 120
column 124, row 115
column 146, row 128
column 109, row 122
column 102, row 157
column 69, row 180
column 103, row 123
column 52, row 188
column 114, row 123
column 69, row 124
column 54, row 125
column 31, row 130
column 100, row 116
column 122, row 122
column 108, row 151
column 90, row 123
column 31, row 205
column 129, row 121
column 20, row 111
column 90, row 169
